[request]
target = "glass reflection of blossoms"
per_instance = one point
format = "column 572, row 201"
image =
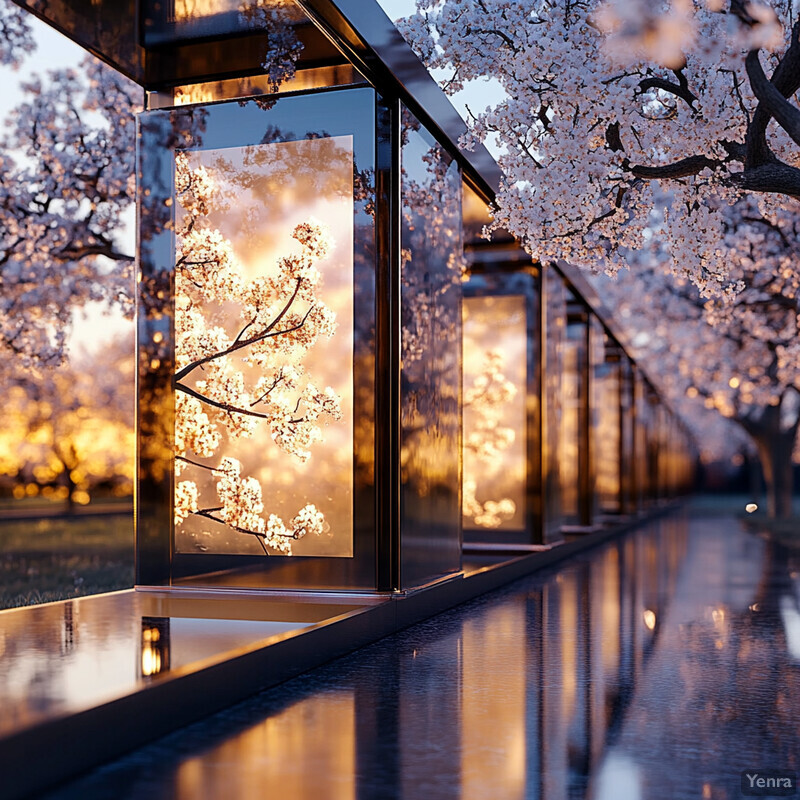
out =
column 235, row 382
column 431, row 274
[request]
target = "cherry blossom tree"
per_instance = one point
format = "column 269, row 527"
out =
column 607, row 97
column 16, row 38
column 232, row 381
column 69, row 429
column 67, row 170
column 735, row 354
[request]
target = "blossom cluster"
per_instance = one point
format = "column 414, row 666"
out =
column 601, row 101
column 230, row 382
column 67, row 159
column 490, row 514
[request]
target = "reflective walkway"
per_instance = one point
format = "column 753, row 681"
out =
column 662, row 665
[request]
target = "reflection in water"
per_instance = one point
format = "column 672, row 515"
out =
column 155, row 646
column 282, row 757
column 657, row 666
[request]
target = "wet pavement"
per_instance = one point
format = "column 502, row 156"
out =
column 662, row 665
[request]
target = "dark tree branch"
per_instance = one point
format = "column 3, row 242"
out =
column 206, row 512
column 240, row 343
column 195, row 463
column 784, row 113
column 775, row 177
column 692, row 165
column 613, row 139
column 786, row 79
column 679, row 90
column 222, row 406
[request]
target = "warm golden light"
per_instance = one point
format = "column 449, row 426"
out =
column 495, row 341
column 734, row 383
column 151, row 661
column 750, row 508
column 649, row 619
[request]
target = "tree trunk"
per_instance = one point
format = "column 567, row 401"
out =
column 775, row 447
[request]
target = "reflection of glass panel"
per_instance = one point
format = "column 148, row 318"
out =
column 495, row 688
column 264, row 400
column 495, row 355
column 252, row 85
column 275, row 755
column 432, row 256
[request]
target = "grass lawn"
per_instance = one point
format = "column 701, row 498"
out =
column 55, row 559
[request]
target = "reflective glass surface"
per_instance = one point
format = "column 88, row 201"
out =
column 258, row 254
column 301, row 81
column 553, row 327
column 627, row 424
column 430, row 379
column 66, row 657
column 608, row 427
column 657, row 666
column 202, row 40
column 106, row 27
column 573, row 440
column 287, row 290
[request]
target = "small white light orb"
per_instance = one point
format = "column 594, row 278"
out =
column 750, row 508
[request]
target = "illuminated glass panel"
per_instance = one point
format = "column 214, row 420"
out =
column 572, row 363
column 257, row 343
column 495, row 422
column 608, row 428
column 265, row 257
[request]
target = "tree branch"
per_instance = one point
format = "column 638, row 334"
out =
column 206, row 512
column 223, row 406
column 784, row 113
column 786, row 79
column 775, row 177
column 679, row 90
column 240, row 343
column 692, row 165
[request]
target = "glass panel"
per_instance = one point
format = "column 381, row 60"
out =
column 257, row 234
column 495, row 420
column 264, row 348
column 627, row 487
column 641, row 442
column 606, row 392
column 574, row 355
column 432, row 257
column 554, row 324
column 210, row 40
